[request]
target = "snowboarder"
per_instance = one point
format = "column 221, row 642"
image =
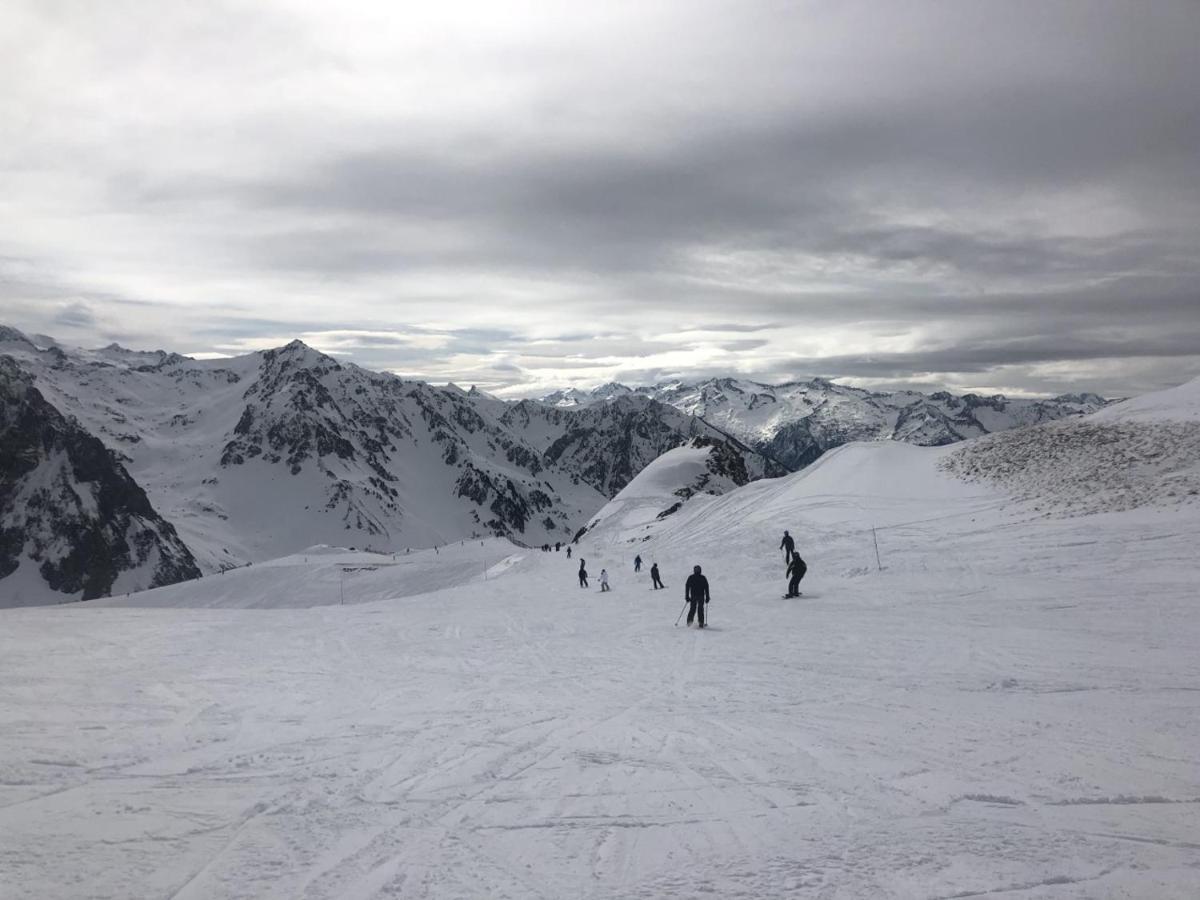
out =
column 637, row 563
column 654, row 579
column 582, row 573
column 695, row 592
column 787, row 545
column 795, row 570
column 603, row 580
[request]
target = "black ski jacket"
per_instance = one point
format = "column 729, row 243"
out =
column 797, row 565
column 696, row 588
column 787, row 544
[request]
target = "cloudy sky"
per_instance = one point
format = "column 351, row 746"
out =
column 996, row 196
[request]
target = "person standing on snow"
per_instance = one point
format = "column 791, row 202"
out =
column 637, row 563
column 568, row 553
column 582, row 573
column 654, row 579
column 603, row 580
column 795, row 570
column 787, row 545
column 695, row 592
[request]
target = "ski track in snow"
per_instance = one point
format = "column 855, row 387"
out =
column 1010, row 707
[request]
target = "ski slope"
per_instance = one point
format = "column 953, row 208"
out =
column 1003, row 703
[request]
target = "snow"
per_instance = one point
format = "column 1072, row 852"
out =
column 1006, row 704
column 1177, row 404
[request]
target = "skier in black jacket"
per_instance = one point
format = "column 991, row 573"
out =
column 582, row 573
column 795, row 570
column 787, row 545
column 654, row 579
column 695, row 592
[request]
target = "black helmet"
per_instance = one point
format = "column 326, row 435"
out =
column 696, row 569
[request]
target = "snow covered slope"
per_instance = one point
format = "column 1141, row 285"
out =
column 703, row 467
column 328, row 576
column 1143, row 452
column 73, row 524
column 1005, row 705
column 1177, row 404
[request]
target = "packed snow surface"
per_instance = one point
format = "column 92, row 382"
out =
column 999, row 704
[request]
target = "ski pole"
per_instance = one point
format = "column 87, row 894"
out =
column 680, row 616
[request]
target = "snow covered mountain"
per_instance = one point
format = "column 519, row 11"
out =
column 608, row 443
column 73, row 524
column 703, row 468
column 795, row 423
column 974, row 697
column 258, row 456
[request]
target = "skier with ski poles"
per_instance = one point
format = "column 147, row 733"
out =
column 695, row 592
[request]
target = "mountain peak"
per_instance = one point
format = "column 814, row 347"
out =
column 10, row 335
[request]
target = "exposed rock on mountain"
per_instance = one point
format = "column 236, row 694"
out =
column 795, row 423
column 71, row 519
column 607, row 444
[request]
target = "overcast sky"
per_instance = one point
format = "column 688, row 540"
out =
column 991, row 196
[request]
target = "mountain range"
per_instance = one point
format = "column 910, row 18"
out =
column 227, row 462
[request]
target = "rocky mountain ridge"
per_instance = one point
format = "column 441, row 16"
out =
column 794, row 423
column 72, row 520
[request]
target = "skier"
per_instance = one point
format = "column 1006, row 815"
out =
column 582, row 573
column 787, row 545
column 568, row 553
column 637, row 563
column 603, row 580
column 654, row 579
column 795, row 570
column 695, row 592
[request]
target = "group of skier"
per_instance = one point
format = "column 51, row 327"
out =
column 796, row 567
column 695, row 590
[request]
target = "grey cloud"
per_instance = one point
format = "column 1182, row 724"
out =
column 999, row 188
column 75, row 315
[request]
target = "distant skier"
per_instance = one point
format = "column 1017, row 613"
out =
column 557, row 546
column 582, row 573
column 795, row 570
column 787, row 545
column 654, row 579
column 695, row 592
column 637, row 563
column 568, row 553
column 603, row 580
